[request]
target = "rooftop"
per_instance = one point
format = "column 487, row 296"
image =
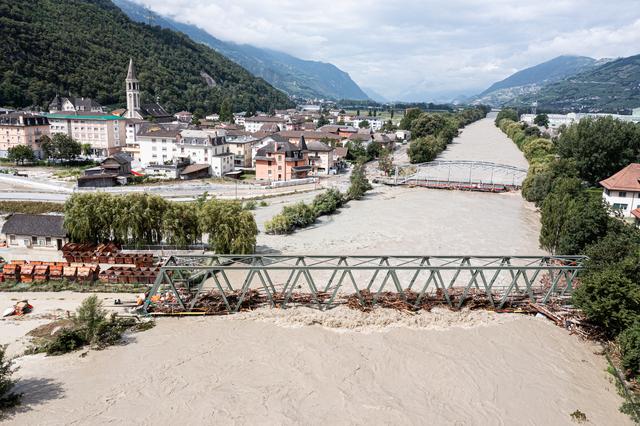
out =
column 36, row 225
column 83, row 115
column 627, row 179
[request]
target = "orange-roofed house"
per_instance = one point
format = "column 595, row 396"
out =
column 622, row 191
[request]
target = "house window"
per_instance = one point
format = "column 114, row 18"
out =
column 34, row 241
column 606, row 191
column 12, row 240
column 48, row 241
column 623, row 194
column 618, row 206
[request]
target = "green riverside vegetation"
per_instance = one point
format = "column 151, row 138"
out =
column 42, row 57
column 575, row 219
column 144, row 219
column 432, row 132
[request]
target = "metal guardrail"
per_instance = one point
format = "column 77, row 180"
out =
column 183, row 280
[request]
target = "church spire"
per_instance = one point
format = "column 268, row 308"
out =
column 131, row 74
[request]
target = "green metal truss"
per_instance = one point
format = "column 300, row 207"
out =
column 326, row 278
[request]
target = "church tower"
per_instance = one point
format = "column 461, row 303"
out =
column 133, row 92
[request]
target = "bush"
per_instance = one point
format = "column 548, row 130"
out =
column 328, row 202
column 537, row 148
column 609, row 299
column 629, row 341
column 89, row 318
column 67, row 340
column 30, row 207
column 507, row 114
column 279, row 225
column 8, row 398
column 359, row 183
column 250, row 205
column 300, row 214
column 263, row 203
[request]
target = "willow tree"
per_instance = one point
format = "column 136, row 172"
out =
column 180, row 226
column 231, row 229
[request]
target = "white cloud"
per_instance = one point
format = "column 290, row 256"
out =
column 421, row 47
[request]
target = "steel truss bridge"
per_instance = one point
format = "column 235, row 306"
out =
column 452, row 280
column 460, row 174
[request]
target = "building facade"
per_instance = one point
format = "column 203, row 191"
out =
column 35, row 231
column 164, row 144
column 280, row 160
column 18, row 128
column 254, row 124
column 105, row 133
column 622, row 191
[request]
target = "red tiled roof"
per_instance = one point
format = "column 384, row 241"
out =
column 636, row 213
column 627, row 179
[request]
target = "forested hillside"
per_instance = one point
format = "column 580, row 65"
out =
column 297, row 77
column 83, row 48
column 612, row 87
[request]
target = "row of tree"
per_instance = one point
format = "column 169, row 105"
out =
column 144, row 219
column 301, row 215
column 563, row 174
column 58, row 147
column 432, row 132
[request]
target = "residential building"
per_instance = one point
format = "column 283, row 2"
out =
column 311, row 136
column 157, row 142
column 164, row 143
column 19, row 128
column 280, row 160
column 375, row 124
column 207, row 147
column 557, row 120
column 184, row 116
column 35, row 231
column 321, row 157
column 105, row 133
column 112, row 171
column 73, row 104
column 403, row 135
column 622, row 191
column 241, row 145
column 254, row 124
column 151, row 111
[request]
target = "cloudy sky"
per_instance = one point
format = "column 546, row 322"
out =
column 421, row 49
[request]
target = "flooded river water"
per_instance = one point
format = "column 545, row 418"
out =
column 399, row 220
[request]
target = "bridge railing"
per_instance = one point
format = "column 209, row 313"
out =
column 230, row 283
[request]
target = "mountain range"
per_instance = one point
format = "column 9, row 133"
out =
column 570, row 83
column 294, row 76
column 83, row 48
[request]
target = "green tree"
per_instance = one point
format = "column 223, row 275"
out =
column 231, row 229
column 89, row 316
column 385, row 161
column 61, row 147
column 508, row 113
column 359, row 182
column 322, row 121
column 389, row 127
column 364, row 124
column 226, row 111
column 629, row 341
column 541, row 120
column 86, row 149
column 423, row 150
column 609, row 298
column 356, row 150
column 180, row 224
column 373, row 150
column 428, row 124
column 21, row 153
column 8, row 398
column 600, row 147
column 409, row 117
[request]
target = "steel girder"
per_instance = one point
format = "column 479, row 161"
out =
column 184, row 279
